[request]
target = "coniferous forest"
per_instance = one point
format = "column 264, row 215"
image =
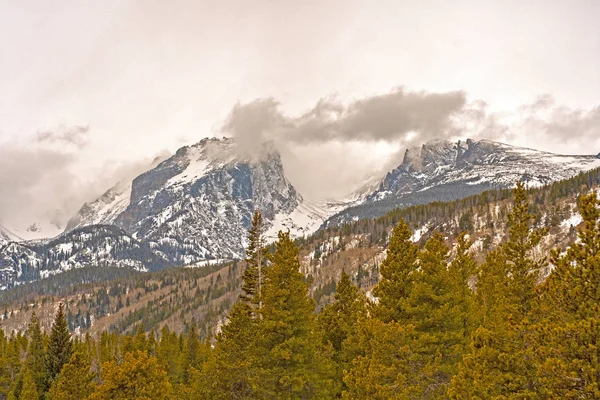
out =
column 438, row 324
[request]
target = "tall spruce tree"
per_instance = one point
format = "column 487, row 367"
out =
column 59, row 346
column 29, row 390
column 396, row 272
column 139, row 376
column 339, row 321
column 431, row 307
column 462, row 270
column 74, row 382
column 34, row 361
column 256, row 256
column 231, row 369
column 500, row 361
column 291, row 363
column 567, row 343
column 384, row 368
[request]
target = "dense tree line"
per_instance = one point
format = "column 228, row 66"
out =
column 438, row 324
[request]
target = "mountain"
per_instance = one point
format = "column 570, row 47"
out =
column 444, row 171
column 176, row 296
column 7, row 236
column 93, row 246
column 198, row 204
column 195, row 207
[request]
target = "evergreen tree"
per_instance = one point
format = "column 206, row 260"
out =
column 74, row 381
column 291, row 363
column 231, row 370
column 59, row 347
column 29, row 390
column 138, row 377
column 384, row 369
column 255, row 262
column 339, row 321
column 462, row 269
column 500, row 361
column 35, row 355
column 438, row 323
column 567, row 351
column 396, row 272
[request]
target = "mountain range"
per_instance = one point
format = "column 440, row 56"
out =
column 196, row 206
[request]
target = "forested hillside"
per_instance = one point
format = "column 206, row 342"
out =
column 440, row 323
column 119, row 298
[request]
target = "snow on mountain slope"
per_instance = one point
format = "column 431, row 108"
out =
column 106, row 208
column 198, row 204
column 303, row 220
column 92, row 246
column 7, row 236
column 103, row 210
column 39, row 230
column 443, row 171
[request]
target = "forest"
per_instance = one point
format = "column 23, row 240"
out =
column 439, row 324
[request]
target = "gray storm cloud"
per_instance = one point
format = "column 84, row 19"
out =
column 389, row 117
column 72, row 135
column 331, row 149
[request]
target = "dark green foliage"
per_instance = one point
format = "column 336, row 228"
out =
column 59, row 346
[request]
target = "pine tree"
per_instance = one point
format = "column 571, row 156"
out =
column 396, row 272
column 231, row 370
column 74, row 381
column 59, row 347
column 255, row 260
column 500, row 361
column 438, row 324
column 29, row 390
column 523, row 267
column 462, row 269
column 35, row 355
column 567, row 351
column 338, row 321
column 384, row 369
column 138, row 377
column 292, row 364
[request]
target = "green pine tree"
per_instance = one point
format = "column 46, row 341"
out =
column 74, row 382
column 500, row 360
column 231, row 370
column 35, row 355
column 339, row 321
column 567, row 344
column 60, row 345
column 384, row 369
column 396, row 272
column 292, row 364
column 256, row 257
column 138, row 377
column 29, row 390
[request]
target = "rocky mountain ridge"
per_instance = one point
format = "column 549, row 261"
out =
column 195, row 207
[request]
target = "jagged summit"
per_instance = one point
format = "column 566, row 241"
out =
column 443, row 170
column 198, row 203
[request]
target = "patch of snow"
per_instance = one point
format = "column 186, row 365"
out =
column 574, row 220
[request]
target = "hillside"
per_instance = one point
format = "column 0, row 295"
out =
column 176, row 296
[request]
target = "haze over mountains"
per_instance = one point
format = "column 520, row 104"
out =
column 196, row 205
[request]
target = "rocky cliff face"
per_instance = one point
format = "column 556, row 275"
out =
column 198, row 204
column 445, row 171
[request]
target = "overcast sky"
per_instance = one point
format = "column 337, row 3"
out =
column 91, row 91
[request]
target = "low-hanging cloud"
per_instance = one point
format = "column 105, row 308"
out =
column 76, row 135
column 40, row 180
column 332, row 132
column 388, row 117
